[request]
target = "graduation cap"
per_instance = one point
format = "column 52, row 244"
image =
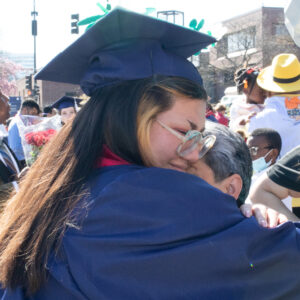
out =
column 65, row 102
column 125, row 45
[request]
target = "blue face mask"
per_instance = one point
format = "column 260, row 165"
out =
column 260, row 164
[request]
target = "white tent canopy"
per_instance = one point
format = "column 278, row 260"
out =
column 292, row 20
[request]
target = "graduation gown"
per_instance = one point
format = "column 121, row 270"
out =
column 8, row 171
column 154, row 233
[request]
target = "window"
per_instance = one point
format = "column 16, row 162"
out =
column 195, row 59
column 228, row 77
column 242, row 40
column 222, row 47
column 279, row 29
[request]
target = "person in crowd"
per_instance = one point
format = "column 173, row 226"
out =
column 282, row 82
column 254, row 97
column 28, row 107
column 220, row 114
column 264, row 145
column 9, row 167
column 116, row 215
column 4, row 115
column 49, row 111
column 67, row 108
column 210, row 113
column 280, row 181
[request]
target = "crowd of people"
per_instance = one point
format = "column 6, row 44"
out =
column 148, row 191
column 268, row 117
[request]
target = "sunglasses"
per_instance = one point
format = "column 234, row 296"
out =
column 191, row 141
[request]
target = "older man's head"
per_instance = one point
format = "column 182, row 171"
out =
column 227, row 166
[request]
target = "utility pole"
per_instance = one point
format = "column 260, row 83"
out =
column 34, row 14
column 34, row 33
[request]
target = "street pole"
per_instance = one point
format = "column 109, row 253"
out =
column 34, row 33
column 34, row 13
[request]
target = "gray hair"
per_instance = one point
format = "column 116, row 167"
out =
column 229, row 155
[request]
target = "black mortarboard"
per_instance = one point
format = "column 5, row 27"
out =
column 125, row 45
column 65, row 102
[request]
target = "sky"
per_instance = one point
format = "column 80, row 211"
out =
column 54, row 19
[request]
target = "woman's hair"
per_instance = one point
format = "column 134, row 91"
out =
column 36, row 218
column 245, row 77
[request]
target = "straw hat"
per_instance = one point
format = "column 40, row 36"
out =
column 283, row 76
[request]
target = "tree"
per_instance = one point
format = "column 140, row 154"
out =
column 241, row 41
column 8, row 73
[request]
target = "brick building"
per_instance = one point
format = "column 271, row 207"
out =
column 49, row 91
column 252, row 39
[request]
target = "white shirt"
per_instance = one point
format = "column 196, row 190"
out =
column 281, row 113
column 239, row 110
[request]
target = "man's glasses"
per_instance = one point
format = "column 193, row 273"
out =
column 254, row 150
column 191, row 141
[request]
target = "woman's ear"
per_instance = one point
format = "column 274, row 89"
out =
column 233, row 185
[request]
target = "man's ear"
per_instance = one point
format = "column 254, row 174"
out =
column 233, row 185
column 274, row 155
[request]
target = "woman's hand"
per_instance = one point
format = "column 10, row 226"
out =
column 265, row 216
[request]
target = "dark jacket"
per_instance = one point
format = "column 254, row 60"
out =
column 7, row 175
column 154, row 233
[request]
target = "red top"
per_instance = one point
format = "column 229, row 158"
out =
column 221, row 118
column 108, row 159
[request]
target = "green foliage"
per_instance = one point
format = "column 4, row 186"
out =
column 102, row 8
column 195, row 25
column 200, row 25
column 90, row 21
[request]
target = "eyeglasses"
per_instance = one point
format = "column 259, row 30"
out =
column 191, row 141
column 254, row 150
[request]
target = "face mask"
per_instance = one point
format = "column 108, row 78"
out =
column 260, row 164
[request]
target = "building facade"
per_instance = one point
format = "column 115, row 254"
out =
column 49, row 91
column 252, row 39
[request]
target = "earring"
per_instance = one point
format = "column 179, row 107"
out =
column 245, row 84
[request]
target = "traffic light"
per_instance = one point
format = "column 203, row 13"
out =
column 74, row 26
column 28, row 82
column 36, row 90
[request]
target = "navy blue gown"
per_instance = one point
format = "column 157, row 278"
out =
column 154, row 233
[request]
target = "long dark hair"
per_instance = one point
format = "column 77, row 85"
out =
column 35, row 219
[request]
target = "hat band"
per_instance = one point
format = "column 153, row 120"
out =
column 287, row 80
